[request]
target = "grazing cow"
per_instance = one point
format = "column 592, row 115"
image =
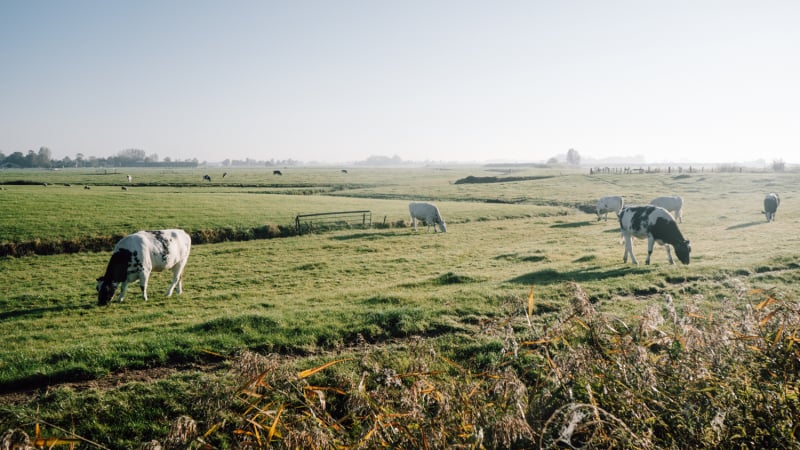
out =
column 86, row 186
column 771, row 203
column 124, row 188
column 224, row 174
column 206, row 178
column 611, row 203
column 673, row 204
column 130, row 178
column 276, row 172
column 657, row 225
column 344, row 170
column 136, row 255
column 427, row 212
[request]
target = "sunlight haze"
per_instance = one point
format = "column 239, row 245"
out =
column 322, row 81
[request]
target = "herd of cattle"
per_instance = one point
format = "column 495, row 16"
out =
column 654, row 222
column 137, row 255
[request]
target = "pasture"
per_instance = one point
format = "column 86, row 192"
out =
column 495, row 294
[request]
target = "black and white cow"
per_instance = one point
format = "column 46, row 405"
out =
column 771, row 203
column 136, row 255
column 655, row 224
column 207, row 178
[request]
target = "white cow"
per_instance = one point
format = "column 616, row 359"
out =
column 673, row 204
column 136, row 255
column 611, row 203
column 771, row 203
column 130, row 178
column 427, row 212
column 655, row 224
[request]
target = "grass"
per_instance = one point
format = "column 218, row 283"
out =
column 389, row 299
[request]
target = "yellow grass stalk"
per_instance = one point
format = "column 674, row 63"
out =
column 766, row 318
column 766, row 302
column 274, row 426
column 453, row 363
column 308, row 372
column 778, row 335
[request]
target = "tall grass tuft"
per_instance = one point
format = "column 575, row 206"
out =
column 677, row 377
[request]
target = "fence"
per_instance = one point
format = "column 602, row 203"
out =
column 328, row 220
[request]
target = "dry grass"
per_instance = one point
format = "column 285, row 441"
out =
column 677, row 378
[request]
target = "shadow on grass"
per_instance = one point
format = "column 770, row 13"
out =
column 369, row 236
column 550, row 276
column 40, row 312
column 585, row 223
column 745, row 225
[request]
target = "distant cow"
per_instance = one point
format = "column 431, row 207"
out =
column 427, row 212
column 224, row 174
column 344, row 170
column 130, row 178
column 655, row 224
column 207, row 178
column 277, row 172
column 124, row 188
column 611, row 203
column 86, row 186
column 673, row 204
column 136, row 255
column 771, row 203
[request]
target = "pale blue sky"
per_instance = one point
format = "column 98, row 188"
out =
column 338, row 81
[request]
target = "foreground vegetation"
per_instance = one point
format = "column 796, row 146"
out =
column 520, row 327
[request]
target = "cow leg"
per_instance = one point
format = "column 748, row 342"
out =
column 177, row 278
column 669, row 254
column 650, row 242
column 629, row 250
column 143, row 277
column 122, row 291
column 414, row 222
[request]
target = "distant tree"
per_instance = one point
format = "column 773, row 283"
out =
column 778, row 165
column 79, row 159
column 573, row 157
column 131, row 155
column 152, row 158
column 15, row 159
column 44, row 157
column 553, row 160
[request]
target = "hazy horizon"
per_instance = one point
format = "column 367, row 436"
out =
column 520, row 81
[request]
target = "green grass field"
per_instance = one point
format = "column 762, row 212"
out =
column 387, row 298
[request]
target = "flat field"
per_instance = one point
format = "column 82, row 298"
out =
column 521, row 246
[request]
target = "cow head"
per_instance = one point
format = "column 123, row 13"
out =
column 105, row 290
column 443, row 226
column 682, row 250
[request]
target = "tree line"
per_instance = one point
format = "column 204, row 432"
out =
column 124, row 158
